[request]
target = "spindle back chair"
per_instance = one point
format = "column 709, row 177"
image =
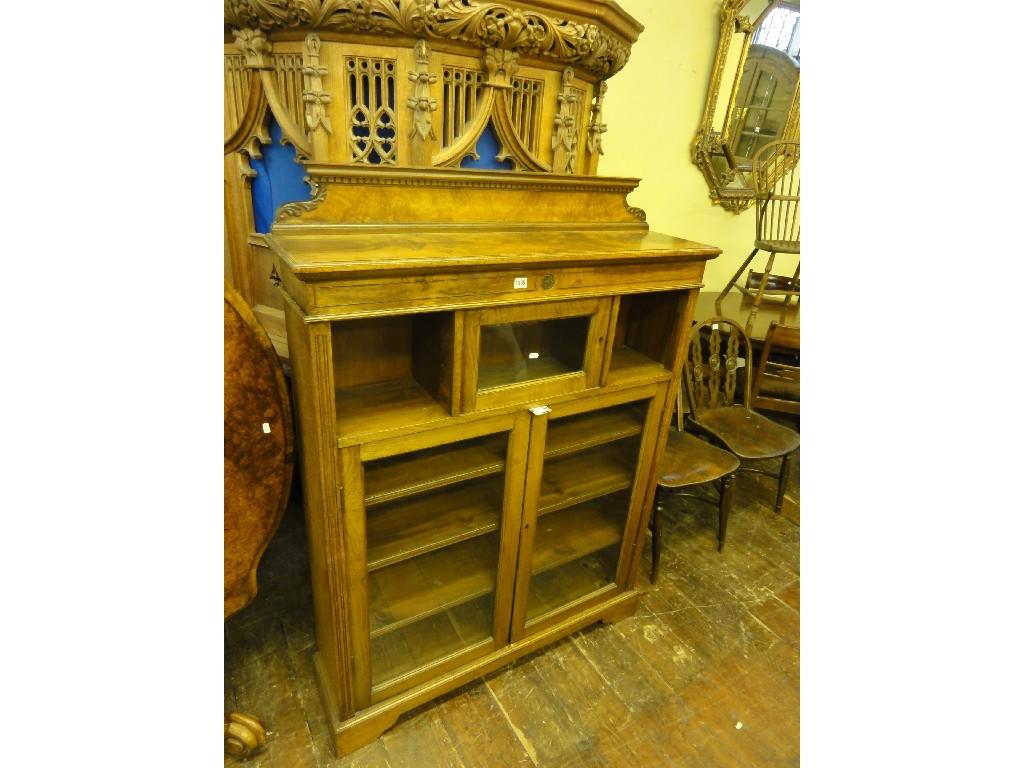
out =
column 776, row 182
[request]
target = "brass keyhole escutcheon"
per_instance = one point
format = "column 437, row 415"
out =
column 548, row 281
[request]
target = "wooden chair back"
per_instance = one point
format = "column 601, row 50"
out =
column 776, row 180
column 776, row 384
column 717, row 345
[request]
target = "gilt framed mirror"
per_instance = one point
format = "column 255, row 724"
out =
column 753, row 95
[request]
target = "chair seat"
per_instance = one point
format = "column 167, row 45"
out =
column 747, row 434
column 778, row 246
column 688, row 460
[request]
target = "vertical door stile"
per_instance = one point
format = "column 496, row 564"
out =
column 516, row 472
column 354, row 517
column 531, row 494
column 633, row 537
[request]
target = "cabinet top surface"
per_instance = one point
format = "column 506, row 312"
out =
column 321, row 254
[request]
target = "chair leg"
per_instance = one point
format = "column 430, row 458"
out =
column 789, row 296
column 656, row 538
column 783, row 482
column 732, row 282
column 724, row 507
column 760, row 293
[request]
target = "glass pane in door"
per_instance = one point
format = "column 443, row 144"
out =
column 589, row 468
column 432, row 540
column 516, row 352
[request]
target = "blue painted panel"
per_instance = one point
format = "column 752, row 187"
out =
column 278, row 179
column 487, row 147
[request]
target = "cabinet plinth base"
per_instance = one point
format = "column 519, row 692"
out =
column 365, row 727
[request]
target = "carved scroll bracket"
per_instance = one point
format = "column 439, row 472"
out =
column 299, row 207
column 563, row 140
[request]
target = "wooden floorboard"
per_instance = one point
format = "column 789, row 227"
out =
column 705, row 674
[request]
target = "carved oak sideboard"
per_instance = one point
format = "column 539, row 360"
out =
column 483, row 334
column 481, row 406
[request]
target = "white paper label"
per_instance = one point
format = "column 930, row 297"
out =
column 519, row 282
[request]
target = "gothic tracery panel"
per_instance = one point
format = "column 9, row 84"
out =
column 371, row 118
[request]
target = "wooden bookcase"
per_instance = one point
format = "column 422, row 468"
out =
column 482, row 399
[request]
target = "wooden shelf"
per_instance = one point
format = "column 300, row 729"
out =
column 559, row 586
column 389, row 479
column 412, row 590
column 387, row 405
column 576, row 433
column 579, row 531
column 584, row 476
column 418, row 645
column 412, row 527
column 628, row 365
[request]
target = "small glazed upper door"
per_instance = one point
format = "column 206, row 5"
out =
column 524, row 353
column 585, row 489
column 434, row 520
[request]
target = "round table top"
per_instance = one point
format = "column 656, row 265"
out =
column 258, row 449
column 737, row 307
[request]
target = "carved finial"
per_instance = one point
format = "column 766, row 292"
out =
column 421, row 102
column 596, row 126
column 315, row 96
column 500, row 66
column 256, row 47
column 563, row 139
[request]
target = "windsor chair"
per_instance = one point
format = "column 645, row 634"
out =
column 719, row 400
column 688, row 462
column 776, row 181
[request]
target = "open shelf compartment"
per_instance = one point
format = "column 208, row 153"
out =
column 392, row 371
column 643, row 340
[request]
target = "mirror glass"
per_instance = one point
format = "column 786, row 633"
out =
column 753, row 97
column 768, row 83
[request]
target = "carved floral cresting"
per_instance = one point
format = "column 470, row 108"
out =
column 494, row 25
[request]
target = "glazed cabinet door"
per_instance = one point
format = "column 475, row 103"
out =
column 440, row 514
column 586, row 480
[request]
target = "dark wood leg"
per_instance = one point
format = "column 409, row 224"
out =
column 656, row 538
column 724, row 508
column 760, row 293
column 783, row 481
column 732, row 282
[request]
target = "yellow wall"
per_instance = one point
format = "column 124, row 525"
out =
column 652, row 109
